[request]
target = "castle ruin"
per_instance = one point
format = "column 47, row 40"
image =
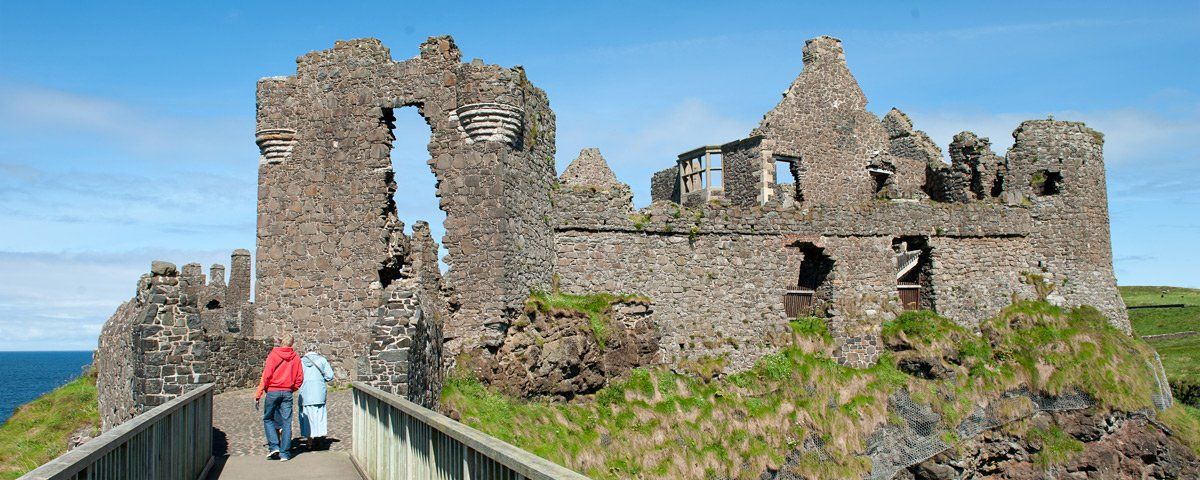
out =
column 874, row 222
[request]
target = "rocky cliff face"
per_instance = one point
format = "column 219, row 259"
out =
column 1092, row 444
column 562, row 353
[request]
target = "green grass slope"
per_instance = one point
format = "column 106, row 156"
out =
column 1180, row 356
column 661, row 424
column 39, row 430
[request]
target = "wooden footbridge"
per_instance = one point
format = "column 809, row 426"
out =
column 392, row 438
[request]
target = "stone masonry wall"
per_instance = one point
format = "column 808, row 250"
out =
column 823, row 120
column 405, row 355
column 664, row 185
column 325, row 214
column 1070, row 233
column 152, row 350
column 326, row 240
column 975, row 277
column 177, row 331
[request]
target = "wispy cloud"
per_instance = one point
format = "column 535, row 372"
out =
column 53, row 301
column 59, row 115
column 1130, row 135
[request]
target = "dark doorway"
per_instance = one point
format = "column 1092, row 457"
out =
column 914, row 278
column 811, row 293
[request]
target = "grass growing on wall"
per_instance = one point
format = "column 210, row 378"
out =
column 661, row 424
column 597, row 306
column 39, row 430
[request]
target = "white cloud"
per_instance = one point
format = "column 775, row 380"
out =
column 59, row 115
column 57, row 301
column 1130, row 135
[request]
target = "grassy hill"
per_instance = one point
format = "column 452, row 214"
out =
column 39, row 430
column 662, row 424
column 1180, row 356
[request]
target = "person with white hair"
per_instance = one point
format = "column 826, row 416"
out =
column 314, row 419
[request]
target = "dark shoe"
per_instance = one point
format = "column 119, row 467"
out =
column 274, row 455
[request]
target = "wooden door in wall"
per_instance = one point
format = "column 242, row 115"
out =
column 910, row 295
column 798, row 302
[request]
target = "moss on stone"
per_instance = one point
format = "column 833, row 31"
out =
column 597, row 306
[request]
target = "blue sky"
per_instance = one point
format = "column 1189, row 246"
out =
column 127, row 129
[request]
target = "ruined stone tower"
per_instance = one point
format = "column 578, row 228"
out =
column 329, row 242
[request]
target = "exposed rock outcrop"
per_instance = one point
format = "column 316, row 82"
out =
column 1110, row 445
column 560, row 353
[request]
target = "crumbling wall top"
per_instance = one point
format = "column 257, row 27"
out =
column 590, row 169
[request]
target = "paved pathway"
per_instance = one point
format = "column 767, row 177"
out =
column 240, row 447
column 327, row 465
column 238, row 427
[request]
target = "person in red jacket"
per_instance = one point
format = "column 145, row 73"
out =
column 282, row 375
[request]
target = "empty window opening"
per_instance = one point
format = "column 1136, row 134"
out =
column 701, row 169
column 416, row 186
column 213, row 304
column 879, row 178
column 914, row 272
column 1045, row 182
column 811, row 293
column 786, row 178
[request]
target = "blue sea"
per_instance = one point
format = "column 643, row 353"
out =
column 25, row 376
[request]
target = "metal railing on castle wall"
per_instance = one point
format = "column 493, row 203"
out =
column 398, row 439
column 171, row 441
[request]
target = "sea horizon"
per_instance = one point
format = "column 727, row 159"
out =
column 28, row 374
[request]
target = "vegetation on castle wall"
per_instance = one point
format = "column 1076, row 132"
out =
column 597, row 306
column 658, row 423
column 40, row 430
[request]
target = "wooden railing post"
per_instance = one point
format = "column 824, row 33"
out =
column 170, row 441
column 396, row 438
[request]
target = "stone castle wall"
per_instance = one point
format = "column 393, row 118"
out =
column 864, row 187
column 405, row 355
column 327, row 246
column 336, row 269
column 171, row 336
column 152, row 350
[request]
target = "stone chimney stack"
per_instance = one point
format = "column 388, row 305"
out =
column 238, row 293
column 216, row 275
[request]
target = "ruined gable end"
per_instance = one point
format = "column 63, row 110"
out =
column 590, row 170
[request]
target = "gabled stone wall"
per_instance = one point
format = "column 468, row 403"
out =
column 863, row 185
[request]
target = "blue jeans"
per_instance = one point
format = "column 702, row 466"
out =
column 277, row 413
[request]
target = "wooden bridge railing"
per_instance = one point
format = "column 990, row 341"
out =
column 171, row 441
column 398, row 439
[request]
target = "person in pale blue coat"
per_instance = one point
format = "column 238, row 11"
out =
column 314, row 420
